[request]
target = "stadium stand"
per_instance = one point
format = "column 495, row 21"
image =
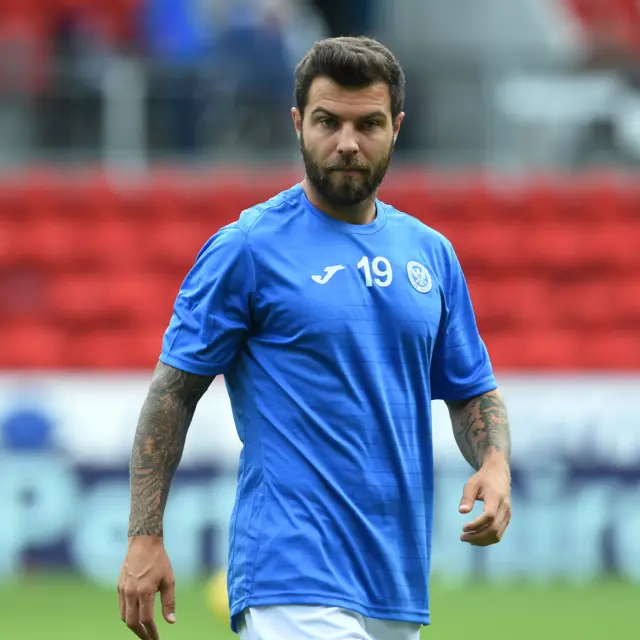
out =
column 89, row 271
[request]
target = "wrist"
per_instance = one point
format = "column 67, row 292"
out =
column 493, row 457
column 145, row 539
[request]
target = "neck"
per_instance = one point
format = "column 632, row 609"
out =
column 362, row 213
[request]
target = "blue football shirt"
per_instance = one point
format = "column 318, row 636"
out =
column 333, row 339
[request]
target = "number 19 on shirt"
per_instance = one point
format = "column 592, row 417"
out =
column 381, row 267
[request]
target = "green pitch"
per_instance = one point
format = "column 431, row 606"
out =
column 65, row 608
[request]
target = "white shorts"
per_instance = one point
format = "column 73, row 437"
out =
column 302, row 622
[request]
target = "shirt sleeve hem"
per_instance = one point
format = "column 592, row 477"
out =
column 470, row 391
column 190, row 366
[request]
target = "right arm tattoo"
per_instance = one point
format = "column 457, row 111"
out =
column 158, row 444
column 480, row 426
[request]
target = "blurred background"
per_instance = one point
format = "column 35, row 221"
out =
column 131, row 130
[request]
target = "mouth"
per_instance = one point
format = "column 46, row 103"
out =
column 349, row 172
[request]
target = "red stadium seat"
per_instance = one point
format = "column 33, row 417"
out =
column 625, row 303
column 32, row 344
column 513, row 303
column 586, row 304
column 79, row 299
column 146, row 345
column 554, row 349
column 100, row 349
column 141, row 298
column 9, row 231
column 100, row 299
column 611, row 246
column 497, row 247
column 49, row 244
column 610, row 350
column 113, row 244
column 554, row 248
column 172, row 244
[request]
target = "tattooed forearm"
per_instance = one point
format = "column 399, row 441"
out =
column 159, row 443
column 481, row 425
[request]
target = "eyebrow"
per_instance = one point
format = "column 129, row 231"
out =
column 368, row 116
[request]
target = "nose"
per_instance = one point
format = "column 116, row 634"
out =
column 348, row 141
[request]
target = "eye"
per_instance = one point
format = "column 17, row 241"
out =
column 369, row 125
column 328, row 123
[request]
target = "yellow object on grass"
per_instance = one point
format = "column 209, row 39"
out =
column 217, row 598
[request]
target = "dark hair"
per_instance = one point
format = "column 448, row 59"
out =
column 351, row 62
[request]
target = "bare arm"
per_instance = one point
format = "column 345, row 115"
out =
column 481, row 427
column 158, row 444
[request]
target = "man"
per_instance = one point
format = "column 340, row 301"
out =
column 335, row 320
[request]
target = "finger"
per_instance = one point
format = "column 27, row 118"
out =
column 487, row 517
column 481, row 537
column 147, row 603
column 122, row 605
column 489, row 534
column 505, row 523
column 168, row 599
column 476, row 530
column 502, row 530
column 140, row 631
column 132, row 617
column 469, row 496
column 480, row 523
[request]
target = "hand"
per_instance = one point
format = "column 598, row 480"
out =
column 145, row 571
column 492, row 485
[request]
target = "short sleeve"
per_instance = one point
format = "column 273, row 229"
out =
column 460, row 367
column 211, row 315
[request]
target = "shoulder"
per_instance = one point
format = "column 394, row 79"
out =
column 262, row 219
column 269, row 216
column 431, row 240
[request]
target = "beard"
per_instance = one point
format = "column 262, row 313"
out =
column 341, row 190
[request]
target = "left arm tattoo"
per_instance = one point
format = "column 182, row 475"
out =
column 481, row 426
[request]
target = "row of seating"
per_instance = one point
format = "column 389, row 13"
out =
column 483, row 246
column 46, row 195
column 89, row 271
column 42, row 346
column 137, row 299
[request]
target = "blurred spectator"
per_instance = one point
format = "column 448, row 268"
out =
column 82, row 45
column 21, row 77
column 260, row 42
column 177, row 38
column 256, row 67
column 350, row 18
column 302, row 26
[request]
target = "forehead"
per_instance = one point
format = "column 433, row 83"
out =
column 348, row 102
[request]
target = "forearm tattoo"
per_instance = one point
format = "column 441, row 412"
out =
column 158, row 444
column 480, row 425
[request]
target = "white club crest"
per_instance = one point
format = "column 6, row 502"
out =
column 419, row 277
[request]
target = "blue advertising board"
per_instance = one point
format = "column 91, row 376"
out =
column 65, row 492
